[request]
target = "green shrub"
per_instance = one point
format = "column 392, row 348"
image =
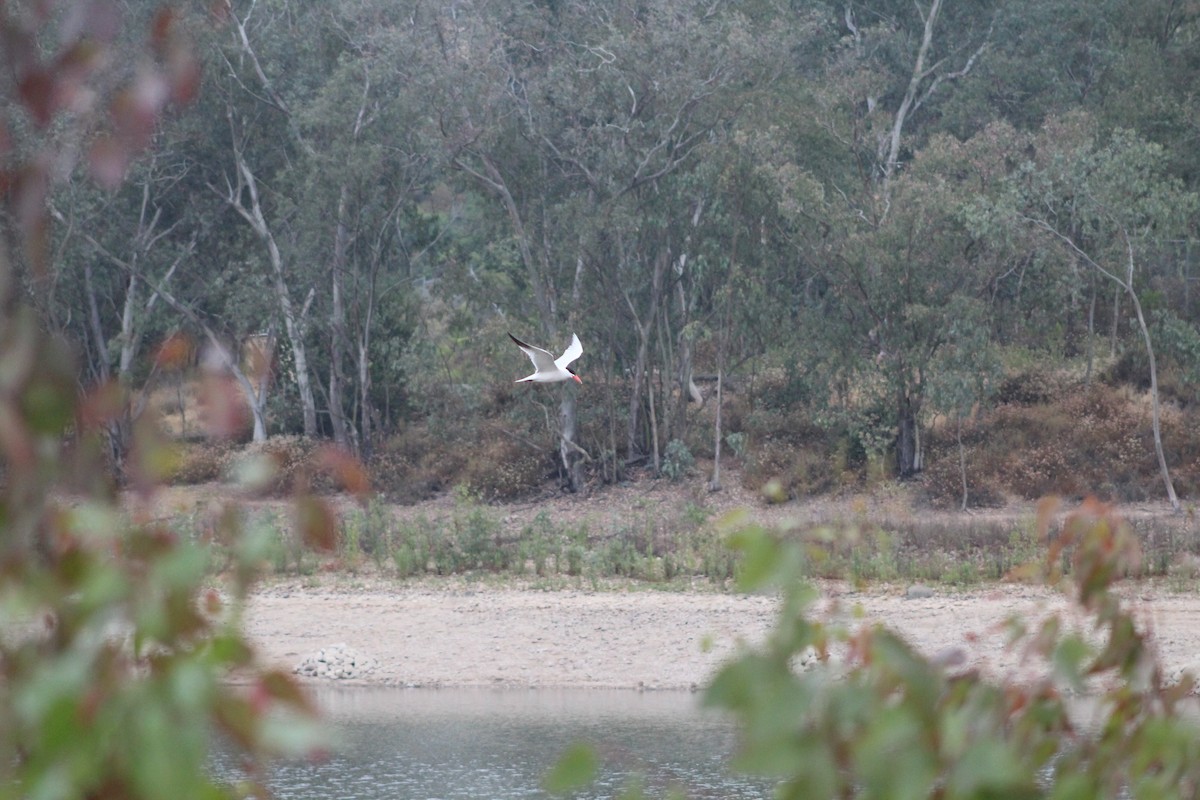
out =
column 886, row 721
column 677, row 460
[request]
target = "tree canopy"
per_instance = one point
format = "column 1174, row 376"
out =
column 835, row 208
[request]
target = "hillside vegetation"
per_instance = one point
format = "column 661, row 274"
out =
column 1046, row 433
column 837, row 243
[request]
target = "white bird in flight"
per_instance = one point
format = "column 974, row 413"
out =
column 549, row 368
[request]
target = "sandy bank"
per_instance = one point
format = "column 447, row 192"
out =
column 462, row 635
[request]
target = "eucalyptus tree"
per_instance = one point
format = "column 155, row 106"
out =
column 85, row 713
column 888, row 248
column 115, row 189
column 270, row 63
column 578, row 120
column 124, row 264
column 1101, row 203
column 372, row 161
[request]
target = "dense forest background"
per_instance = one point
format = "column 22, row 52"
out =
column 949, row 240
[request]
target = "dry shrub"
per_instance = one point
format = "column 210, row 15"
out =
column 295, row 463
column 202, row 462
column 941, row 482
column 503, row 468
column 1035, row 386
column 1181, row 443
column 1175, row 381
column 789, row 449
column 1087, row 442
column 417, row 464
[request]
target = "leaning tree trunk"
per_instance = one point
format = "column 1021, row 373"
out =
column 1125, row 286
column 1155, row 416
column 293, row 322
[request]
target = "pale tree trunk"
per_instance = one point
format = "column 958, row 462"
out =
column 293, row 323
column 889, row 148
column 1116, row 317
column 924, row 81
column 343, row 428
column 687, row 386
column 365, row 408
column 722, row 348
column 653, row 431
column 687, row 383
column 962, row 459
column 1155, row 414
column 572, row 455
column 714, row 485
column 337, row 324
column 364, row 394
column 643, row 328
column 133, row 312
column 1091, row 336
column 1125, row 285
column 99, row 348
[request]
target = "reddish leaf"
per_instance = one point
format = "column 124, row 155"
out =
column 162, row 26
column 212, row 603
column 135, row 110
column 102, row 20
column 174, row 353
column 1047, row 507
column 102, row 404
column 37, row 92
column 283, row 687
column 346, row 470
column 222, row 407
column 72, row 68
column 316, row 523
column 108, row 161
column 15, row 439
column 1178, row 693
column 30, row 189
column 184, row 75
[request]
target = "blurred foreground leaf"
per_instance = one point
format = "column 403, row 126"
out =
column 575, row 769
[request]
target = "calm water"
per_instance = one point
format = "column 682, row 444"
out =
column 479, row 743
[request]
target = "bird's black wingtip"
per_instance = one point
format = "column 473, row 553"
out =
column 518, row 342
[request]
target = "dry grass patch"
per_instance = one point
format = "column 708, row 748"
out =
column 1096, row 441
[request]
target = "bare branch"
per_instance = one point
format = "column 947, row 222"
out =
column 1074, row 248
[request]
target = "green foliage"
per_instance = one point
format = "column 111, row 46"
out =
column 737, row 443
column 117, row 646
column 677, row 460
column 880, row 720
column 573, row 770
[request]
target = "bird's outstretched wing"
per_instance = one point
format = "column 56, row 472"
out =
column 573, row 351
column 542, row 360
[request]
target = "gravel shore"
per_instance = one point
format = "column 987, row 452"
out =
column 458, row 634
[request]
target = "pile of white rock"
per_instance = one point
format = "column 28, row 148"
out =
column 337, row 662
